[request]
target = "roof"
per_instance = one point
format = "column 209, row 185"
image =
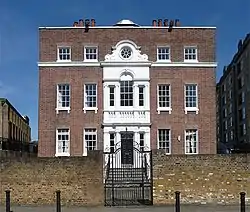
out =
column 126, row 23
column 128, row 26
column 4, row 100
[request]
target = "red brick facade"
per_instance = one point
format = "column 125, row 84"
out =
column 148, row 39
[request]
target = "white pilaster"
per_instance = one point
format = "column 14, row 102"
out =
column 105, row 95
column 106, row 142
column 117, row 95
column 136, row 96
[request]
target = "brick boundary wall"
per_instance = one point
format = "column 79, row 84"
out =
column 199, row 178
column 34, row 181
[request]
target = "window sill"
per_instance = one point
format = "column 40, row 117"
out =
column 90, row 109
column 63, row 109
column 191, row 153
column 91, row 61
column 164, row 109
column 191, row 109
column 63, row 61
column 191, row 61
column 163, row 61
column 62, row 154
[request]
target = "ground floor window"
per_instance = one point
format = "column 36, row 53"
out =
column 191, row 141
column 90, row 137
column 63, row 141
column 164, row 140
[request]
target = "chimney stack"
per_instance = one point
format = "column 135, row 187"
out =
column 81, row 23
column 159, row 22
column 154, row 23
column 165, row 22
column 92, row 22
column 75, row 24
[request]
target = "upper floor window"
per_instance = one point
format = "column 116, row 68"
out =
column 112, row 96
column 63, row 97
column 191, row 141
column 62, row 142
column 190, row 54
column 164, row 98
column 90, row 53
column 141, row 96
column 163, row 53
column 90, row 97
column 64, row 54
column 191, row 97
column 126, row 93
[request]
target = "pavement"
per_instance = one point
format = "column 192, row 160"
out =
column 188, row 208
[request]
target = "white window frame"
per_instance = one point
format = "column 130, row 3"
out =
column 196, row 53
column 86, row 108
column 133, row 92
column 142, row 147
column 109, row 94
column 197, row 142
column 168, row 109
column 58, row 153
column 85, row 146
column 191, row 109
column 143, row 95
column 90, row 47
column 169, row 53
column 112, row 146
column 158, row 141
column 58, row 53
column 58, row 106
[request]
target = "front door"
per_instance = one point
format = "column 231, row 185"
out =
column 127, row 140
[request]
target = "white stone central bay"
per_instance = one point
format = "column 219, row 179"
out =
column 126, row 93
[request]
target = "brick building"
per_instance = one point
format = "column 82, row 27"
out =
column 14, row 128
column 233, row 109
column 155, row 83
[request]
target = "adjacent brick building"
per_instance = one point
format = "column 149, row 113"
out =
column 233, row 100
column 156, row 83
column 14, row 128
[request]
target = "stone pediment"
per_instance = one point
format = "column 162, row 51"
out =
column 126, row 51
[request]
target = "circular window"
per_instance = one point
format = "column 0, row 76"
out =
column 126, row 52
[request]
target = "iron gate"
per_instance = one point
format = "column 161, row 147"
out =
column 128, row 175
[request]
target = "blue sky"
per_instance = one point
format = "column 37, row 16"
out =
column 19, row 22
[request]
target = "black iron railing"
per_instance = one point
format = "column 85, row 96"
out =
column 18, row 146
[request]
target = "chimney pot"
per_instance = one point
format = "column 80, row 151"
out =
column 75, row 24
column 87, row 22
column 177, row 22
column 159, row 22
column 92, row 22
column 154, row 23
column 81, row 23
column 165, row 22
column 171, row 24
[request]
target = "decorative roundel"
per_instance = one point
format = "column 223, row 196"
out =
column 126, row 53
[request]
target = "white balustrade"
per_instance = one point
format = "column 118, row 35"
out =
column 126, row 117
